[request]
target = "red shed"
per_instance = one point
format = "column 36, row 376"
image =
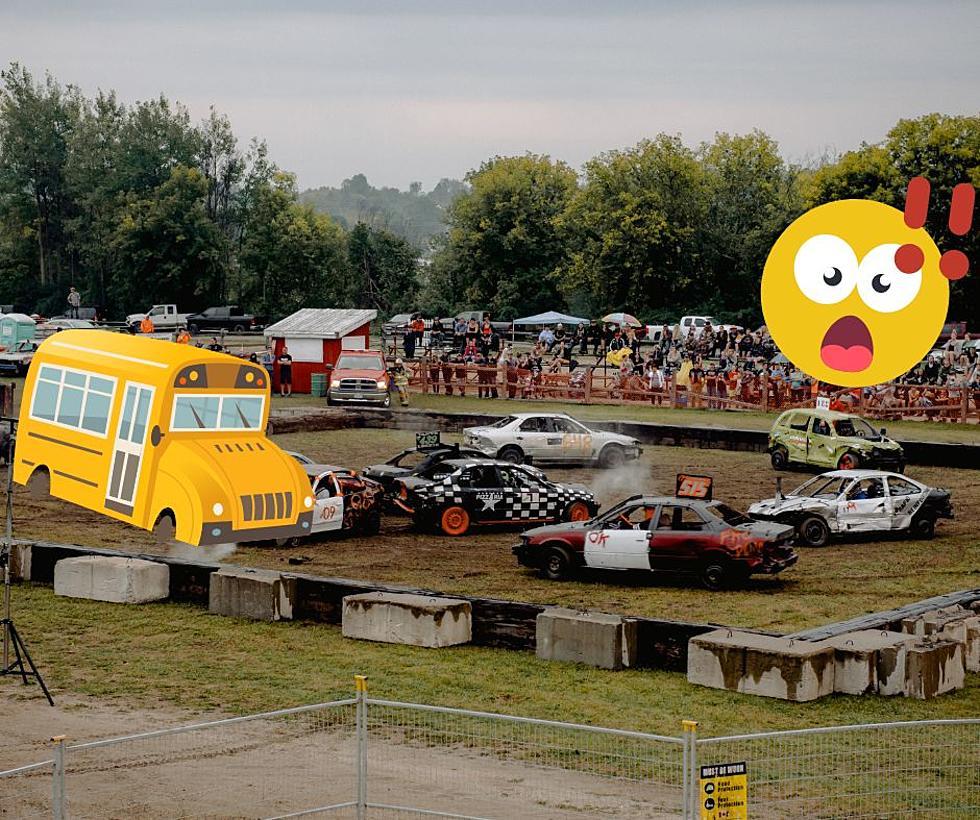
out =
column 315, row 337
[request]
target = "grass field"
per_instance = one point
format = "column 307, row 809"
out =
column 142, row 655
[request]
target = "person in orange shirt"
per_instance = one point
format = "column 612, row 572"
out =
column 146, row 325
column 183, row 337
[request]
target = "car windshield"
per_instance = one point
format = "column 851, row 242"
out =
column 822, row 487
column 217, row 412
column 728, row 514
column 409, row 459
column 854, row 427
column 503, row 422
column 359, row 363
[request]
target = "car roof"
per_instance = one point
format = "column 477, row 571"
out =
column 830, row 415
column 539, row 415
column 471, row 462
column 863, row 474
column 665, row 499
column 314, row 470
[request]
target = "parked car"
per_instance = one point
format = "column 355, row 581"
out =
column 551, row 438
column 414, row 462
column 50, row 326
column 359, row 376
column 692, row 536
column 466, row 315
column 856, row 501
column 696, row 324
column 16, row 360
column 229, row 317
column 456, row 494
column 828, row 438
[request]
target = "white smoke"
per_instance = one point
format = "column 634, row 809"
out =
column 633, row 478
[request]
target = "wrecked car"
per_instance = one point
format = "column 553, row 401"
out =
column 414, row 461
column 693, row 536
column 856, row 501
column 827, row 438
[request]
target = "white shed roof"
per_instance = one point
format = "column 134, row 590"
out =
column 320, row 323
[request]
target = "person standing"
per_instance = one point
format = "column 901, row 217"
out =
column 146, row 325
column 74, row 303
column 285, row 362
column 399, row 380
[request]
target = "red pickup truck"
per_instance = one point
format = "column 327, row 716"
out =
column 360, row 376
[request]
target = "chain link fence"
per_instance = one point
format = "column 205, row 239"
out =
column 370, row 758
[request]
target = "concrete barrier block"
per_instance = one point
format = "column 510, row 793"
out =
column 935, row 622
column 260, row 594
column 716, row 659
column 870, row 661
column 761, row 665
column 112, row 579
column 593, row 638
column 416, row 620
column 934, row 666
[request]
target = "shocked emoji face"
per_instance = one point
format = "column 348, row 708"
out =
column 852, row 295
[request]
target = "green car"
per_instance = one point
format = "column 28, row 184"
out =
column 829, row 439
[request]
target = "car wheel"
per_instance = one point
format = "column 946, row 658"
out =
column 39, row 484
column 512, row 455
column 577, row 511
column 454, row 521
column 848, row 461
column 165, row 528
column 923, row 527
column 814, row 532
column 193, row 329
column 238, row 329
column 714, row 575
column 288, row 542
column 612, row 456
column 779, row 458
column 557, row 565
column 372, row 524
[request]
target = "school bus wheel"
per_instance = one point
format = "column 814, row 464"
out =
column 165, row 527
column 454, row 521
column 39, row 484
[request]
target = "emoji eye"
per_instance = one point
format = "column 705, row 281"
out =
column 825, row 268
column 881, row 285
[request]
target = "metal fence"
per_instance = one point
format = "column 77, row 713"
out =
column 371, row 758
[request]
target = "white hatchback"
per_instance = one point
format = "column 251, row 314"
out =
column 551, row 438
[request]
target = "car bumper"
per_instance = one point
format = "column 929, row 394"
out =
column 222, row 532
column 359, row 397
column 771, row 566
column 526, row 556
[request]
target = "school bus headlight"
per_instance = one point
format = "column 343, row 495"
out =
column 308, row 501
column 217, row 508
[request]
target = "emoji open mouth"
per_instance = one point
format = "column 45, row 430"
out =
column 847, row 346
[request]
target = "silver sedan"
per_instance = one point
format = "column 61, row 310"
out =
column 552, row 438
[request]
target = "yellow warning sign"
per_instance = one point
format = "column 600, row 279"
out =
column 723, row 792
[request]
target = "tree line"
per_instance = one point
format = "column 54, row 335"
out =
column 136, row 204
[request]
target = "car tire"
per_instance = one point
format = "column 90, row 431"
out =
column 557, row 564
column 715, row 575
column 238, row 329
column 923, row 527
column 612, row 456
column 576, row 511
column 511, row 454
column 372, row 524
column 454, row 521
column 39, row 484
column 292, row 541
column 779, row 458
column 165, row 528
column 813, row 531
column 330, row 401
column 193, row 330
column 849, row 461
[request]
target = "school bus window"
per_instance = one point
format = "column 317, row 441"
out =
column 223, row 412
column 73, row 399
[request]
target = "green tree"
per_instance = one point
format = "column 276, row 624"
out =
column 167, row 247
column 504, row 244
column 632, row 231
column 383, row 270
column 292, row 256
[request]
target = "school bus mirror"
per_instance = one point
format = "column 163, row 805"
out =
column 156, row 435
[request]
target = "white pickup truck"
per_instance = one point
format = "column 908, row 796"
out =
column 695, row 324
column 164, row 317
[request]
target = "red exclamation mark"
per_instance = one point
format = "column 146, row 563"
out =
column 909, row 258
column 954, row 264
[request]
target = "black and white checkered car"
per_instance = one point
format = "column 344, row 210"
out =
column 539, row 500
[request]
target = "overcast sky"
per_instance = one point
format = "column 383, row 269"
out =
column 406, row 91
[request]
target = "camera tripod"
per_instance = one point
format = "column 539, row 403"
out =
column 21, row 664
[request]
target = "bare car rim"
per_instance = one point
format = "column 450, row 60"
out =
column 578, row 511
column 455, row 521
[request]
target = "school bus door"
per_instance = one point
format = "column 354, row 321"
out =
column 127, row 451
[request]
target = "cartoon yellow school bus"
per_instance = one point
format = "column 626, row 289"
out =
column 164, row 436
